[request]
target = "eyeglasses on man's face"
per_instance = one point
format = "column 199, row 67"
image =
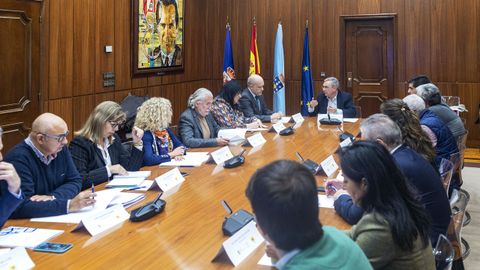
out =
column 59, row 137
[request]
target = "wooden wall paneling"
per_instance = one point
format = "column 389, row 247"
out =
column 44, row 55
column 120, row 95
column 216, row 20
column 100, row 97
column 240, row 14
column 447, row 88
column 82, row 107
column 369, row 6
column 470, row 96
column 265, row 38
column 63, row 108
column 325, row 37
column 104, row 35
column 83, row 47
column 300, row 11
column 350, row 7
column 60, row 61
column 292, row 97
column 122, row 48
column 443, row 42
column 417, row 29
column 468, row 37
column 398, row 7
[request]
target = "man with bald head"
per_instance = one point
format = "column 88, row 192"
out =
column 50, row 181
column 10, row 194
column 252, row 102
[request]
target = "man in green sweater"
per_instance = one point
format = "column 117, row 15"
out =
column 284, row 199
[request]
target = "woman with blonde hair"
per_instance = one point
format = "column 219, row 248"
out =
column 97, row 151
column 159, row 143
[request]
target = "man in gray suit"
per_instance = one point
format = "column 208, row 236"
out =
column 197, row 127
column 252, row 102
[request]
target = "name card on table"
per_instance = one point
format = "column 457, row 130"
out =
column 221, row 155
column 17, row 259
column 256, row 140
column 278, row 127
column 241, row 244
column 329, row 165
column 103, row 220
column 169, row 180
column 346, row 142
column 298, row 118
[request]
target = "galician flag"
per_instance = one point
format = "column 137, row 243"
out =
column 279, row 73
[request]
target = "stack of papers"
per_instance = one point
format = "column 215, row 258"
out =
column 25, row 237
column 127, row 199
column 236, row 136
column 191, row 159
column 130, row 180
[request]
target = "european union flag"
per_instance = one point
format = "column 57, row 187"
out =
column 307, row 82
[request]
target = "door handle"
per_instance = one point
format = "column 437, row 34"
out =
column 349, row 79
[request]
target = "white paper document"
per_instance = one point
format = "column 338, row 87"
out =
column 25, row 237
column 265, row 260
column 278, row 127
column 103, row 199
column 16, row 259
column 298, row 118
column 136, row 174
column 221, row 154
column 103, row 220
column 191, row 159
column 127, row 199
column 350, row 120
column 329, row 165
column 256, row 140
column 325, row 201
column 285, row 119
column 169, row 180
column 242, row 243
column 125, row 182
column 235, row 136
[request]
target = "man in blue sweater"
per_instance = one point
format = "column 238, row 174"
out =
column 10, row 193
column 50, row 181
column 424, row 179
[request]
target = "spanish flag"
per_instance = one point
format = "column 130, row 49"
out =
column 254, row 59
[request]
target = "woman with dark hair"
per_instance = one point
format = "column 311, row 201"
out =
column 412, row 134
column 225, row 108
column 393, row 232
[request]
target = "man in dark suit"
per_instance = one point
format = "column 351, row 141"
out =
column 424, row 179
column 252, row 102
column 10, row 193
column 50, row 181
column 332, row 100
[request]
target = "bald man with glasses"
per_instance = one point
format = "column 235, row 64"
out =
column 10, row 193
column 50, row 181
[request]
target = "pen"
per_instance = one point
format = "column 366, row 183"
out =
column 93, row 188
column 185, row 150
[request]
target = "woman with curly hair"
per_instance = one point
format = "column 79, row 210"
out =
column 97, row 151
column 412, row 134
column 159, row 143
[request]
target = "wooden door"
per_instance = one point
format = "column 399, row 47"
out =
column 19, row 68
column 367, row 60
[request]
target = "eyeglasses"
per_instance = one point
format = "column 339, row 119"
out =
column 116, row 124
column 59, row 137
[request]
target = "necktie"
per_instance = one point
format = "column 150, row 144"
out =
column 257, row 98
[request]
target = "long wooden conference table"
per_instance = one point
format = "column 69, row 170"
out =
column 188, row 234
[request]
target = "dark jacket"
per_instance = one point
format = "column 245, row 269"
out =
column 8, row 203
column 249, row 106
column 446, row 143
column 90, row 164
column 191, row 132
column 60, row 178
column 424, row 179
column 344, row 102
column 152, row 154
